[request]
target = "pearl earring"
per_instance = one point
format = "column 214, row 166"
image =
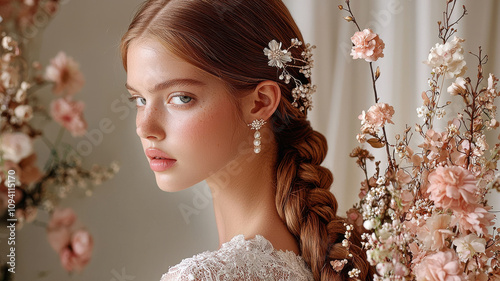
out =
column 256, row 125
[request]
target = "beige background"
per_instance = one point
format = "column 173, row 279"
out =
column 140, row 231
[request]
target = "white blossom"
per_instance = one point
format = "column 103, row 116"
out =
column 469, row 245
column 448, row 58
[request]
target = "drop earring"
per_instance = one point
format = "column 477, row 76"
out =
column 256, row 125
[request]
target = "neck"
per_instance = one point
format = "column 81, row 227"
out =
column 244, row 202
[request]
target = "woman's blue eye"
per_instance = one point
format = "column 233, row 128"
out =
column 181, row 100
column 140, row 101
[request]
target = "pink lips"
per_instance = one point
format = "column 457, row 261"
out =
column 159, row 161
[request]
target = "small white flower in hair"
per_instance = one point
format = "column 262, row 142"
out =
column 277, row 57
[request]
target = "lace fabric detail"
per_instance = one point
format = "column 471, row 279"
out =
column 241, row 259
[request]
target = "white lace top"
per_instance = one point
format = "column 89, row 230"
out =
column 241, row 259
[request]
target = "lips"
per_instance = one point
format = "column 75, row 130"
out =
column 159, row 161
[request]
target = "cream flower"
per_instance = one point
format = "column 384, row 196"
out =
column 8, row 43
column 24, row 112
column 448, row 58
column 458, row 87
column 65, row 74
column 469, row 245
column 277, row 57
column 15, row 146
column 422, row 111
column 22, row 92
column 492, row 83
column 367, row 46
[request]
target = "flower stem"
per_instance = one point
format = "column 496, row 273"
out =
column 374, row 85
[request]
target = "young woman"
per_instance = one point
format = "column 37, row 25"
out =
column 222, row 90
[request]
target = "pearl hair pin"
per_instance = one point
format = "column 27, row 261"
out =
column 283, row 58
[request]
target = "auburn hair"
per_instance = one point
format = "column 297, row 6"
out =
column 226, row 38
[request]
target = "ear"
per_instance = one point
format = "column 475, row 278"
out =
column 262, row 102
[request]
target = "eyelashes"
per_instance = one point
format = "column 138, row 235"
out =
column 181, row 99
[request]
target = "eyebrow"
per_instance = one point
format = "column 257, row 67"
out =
column 170, row 83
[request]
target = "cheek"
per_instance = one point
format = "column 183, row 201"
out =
column 212, row 136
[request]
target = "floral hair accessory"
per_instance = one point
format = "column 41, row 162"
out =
column 282, row 58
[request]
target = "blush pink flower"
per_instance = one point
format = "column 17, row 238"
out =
column 77, row 254
column 474, row 218
column 367, row 46
column 59, row 228
column 452, row 187
column 65, row 74
column 70, row 115
column 435, row 232
column 379, row 114
column 73, row 246
column 441, row 266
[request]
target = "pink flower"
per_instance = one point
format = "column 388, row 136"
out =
column 73, row 246
column 66, row 75
column 379, row 114
column 77, row 255
column 70, row 115
column 59, row 228
column 441, row 266
column 367, row 46
column 475, row 218
column 452, row 187
column 435, row 232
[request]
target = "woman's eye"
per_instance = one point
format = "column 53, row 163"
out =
column 139, row 101
column 181, row 100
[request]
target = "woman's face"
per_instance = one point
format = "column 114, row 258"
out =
column 188, row 124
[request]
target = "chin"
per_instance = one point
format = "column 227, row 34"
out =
column 168, row 184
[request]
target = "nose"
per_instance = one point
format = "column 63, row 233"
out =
column 150, row 124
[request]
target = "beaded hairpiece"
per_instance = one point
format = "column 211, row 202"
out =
column 338, row 265
column 302, row 94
